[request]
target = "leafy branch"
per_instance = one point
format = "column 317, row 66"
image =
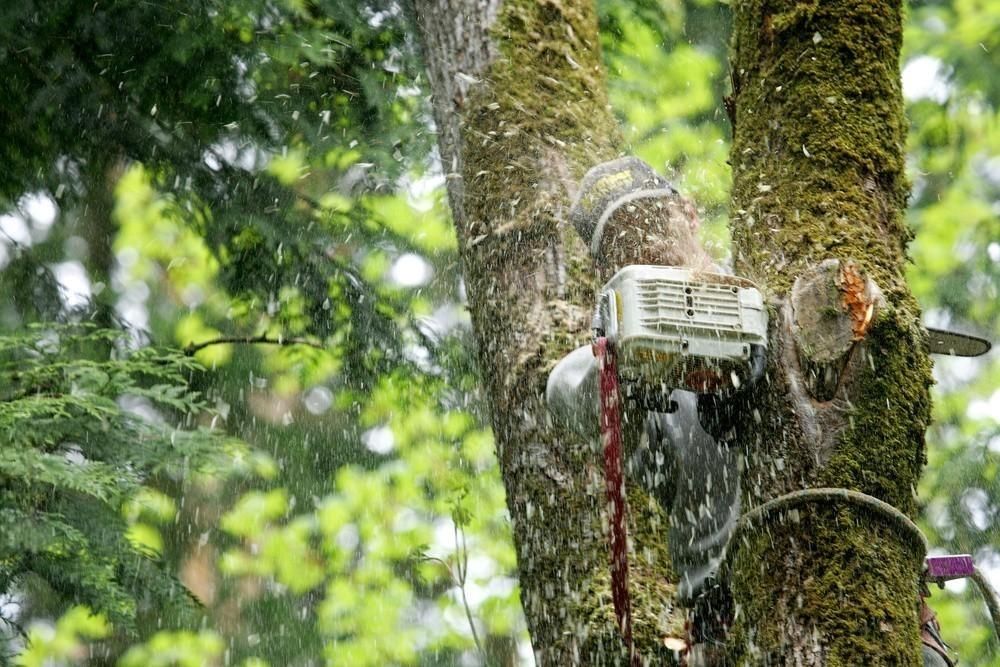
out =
column 459, row 575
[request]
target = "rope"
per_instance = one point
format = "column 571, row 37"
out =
column 990, row 595
column 807, row 496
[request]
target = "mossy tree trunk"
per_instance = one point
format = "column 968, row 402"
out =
column 817, row 220
column 818, row 200
column 521, row 112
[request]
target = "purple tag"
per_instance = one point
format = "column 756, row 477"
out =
column 945, row 568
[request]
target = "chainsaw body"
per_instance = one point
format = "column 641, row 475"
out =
column 673, row 328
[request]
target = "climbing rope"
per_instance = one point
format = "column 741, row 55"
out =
column 807, row 496
column 894, row 516
column 990, row 595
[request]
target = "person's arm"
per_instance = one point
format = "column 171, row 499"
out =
column 571, row 393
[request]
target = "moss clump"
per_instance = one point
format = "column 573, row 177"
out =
column 882, row 449
column 655, row 614
column 853, row 613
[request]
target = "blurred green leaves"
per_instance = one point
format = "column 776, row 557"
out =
column 358, row 543
column 65, row 643
column 949, row 67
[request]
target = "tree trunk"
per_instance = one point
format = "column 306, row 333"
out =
column 521, row 112
column 817, row 221
column 818, row 175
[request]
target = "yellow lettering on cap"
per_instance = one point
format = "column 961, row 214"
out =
column 604, row 185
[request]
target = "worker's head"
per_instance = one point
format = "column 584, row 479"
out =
column 629, row 214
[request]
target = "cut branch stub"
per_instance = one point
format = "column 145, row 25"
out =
column 833, row 305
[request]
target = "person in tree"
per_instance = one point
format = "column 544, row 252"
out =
column 627, row 214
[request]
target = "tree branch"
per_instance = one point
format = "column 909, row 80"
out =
column 192, row 348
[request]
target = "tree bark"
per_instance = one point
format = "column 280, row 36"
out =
column 818, row 198
column 817, row 221
column 520, row 107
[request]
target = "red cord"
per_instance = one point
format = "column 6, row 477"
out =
column 611, row 439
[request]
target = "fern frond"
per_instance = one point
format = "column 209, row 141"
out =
column 32, row 468
column 85, row 421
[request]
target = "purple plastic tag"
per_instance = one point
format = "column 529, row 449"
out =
column 944, row 568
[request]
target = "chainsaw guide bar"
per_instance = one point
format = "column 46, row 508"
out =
column 956, row 344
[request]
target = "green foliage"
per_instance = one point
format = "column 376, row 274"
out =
column 250, row 120
column 269, row 205
column 950, row 53
column 63, row 644
column 66, row 643
column 85, row 422
column 248, row 168
column 383, row 538
column 176, row 649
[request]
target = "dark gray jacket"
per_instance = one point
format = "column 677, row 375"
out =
column 695, row 479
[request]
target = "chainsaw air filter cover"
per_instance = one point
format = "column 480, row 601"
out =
column 673, row 328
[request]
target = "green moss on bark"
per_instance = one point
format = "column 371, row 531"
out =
column 818, row 141
column 655, row 616
column 837, row 587
column 533, row 124
column 818, row 173
column 839, row 582
column 882, row 448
